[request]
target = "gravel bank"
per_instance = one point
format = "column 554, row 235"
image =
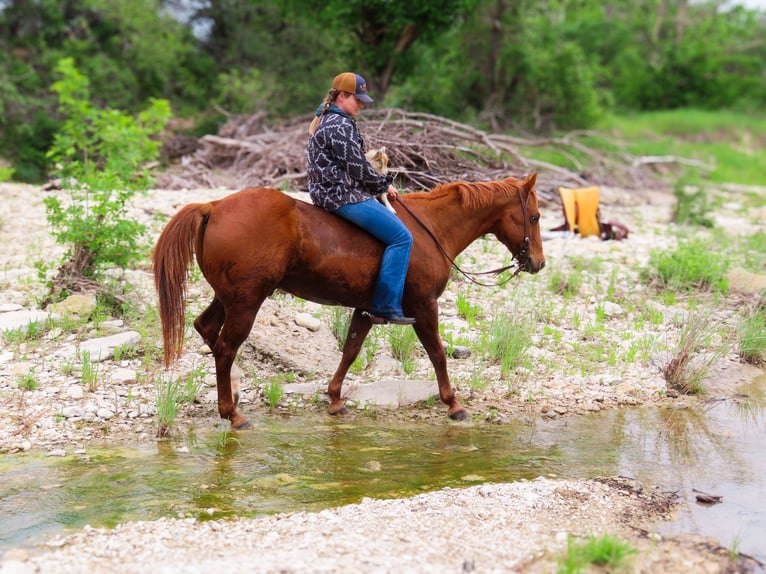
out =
column 491, row 528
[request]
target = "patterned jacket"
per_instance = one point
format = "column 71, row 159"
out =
column 338, row 172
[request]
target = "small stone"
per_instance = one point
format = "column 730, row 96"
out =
column 308, row 321
column 72, row 412
column 459, row 352
column 75, row 392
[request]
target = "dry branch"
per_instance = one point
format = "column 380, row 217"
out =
column 424, row 151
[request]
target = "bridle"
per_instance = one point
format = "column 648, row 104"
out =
column 521, row 259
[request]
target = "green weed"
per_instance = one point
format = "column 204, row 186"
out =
column 752, row 336
column 693, row 265
column 27, row 382
column 692, row 206
column 168, row 404
column 223, row 436
column 403, row 342
column 507, row 341
column 467, row 310
column 340, row 321
column 698, row 348
column 274, row 390
column 89, row 374
column 608, row 552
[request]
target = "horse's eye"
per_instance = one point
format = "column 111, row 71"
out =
column 534, row 218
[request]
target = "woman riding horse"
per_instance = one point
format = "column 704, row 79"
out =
column 342, row 181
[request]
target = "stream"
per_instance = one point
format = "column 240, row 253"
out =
column 297, row 462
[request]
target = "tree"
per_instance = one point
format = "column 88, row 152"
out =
column 376, row 36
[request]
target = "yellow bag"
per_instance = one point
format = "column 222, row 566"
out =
column 581, row 210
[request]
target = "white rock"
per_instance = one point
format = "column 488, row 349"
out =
column 308, row 321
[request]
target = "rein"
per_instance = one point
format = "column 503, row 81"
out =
column 521, row 260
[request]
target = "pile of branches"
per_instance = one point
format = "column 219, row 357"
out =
column 424, row 151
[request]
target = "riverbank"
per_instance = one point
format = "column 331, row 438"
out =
column 586, row 356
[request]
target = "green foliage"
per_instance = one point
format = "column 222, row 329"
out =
column 732, row 144
column 467, row 310
column 27, row 381
column 606, row 551
column 403, row 342
column 6, row 173
column 340, row 320
column 698, row 348
column 545, row 65
column 752, row 335
column 102, row 156
column 507, row 341
column 274, row 390
column 89, row 374
column 692, row 265
column 755, row 251
column 692, row 207
column 168, row 405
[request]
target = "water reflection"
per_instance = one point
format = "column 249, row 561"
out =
column 305, row 463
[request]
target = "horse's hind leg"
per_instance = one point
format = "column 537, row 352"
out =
column 210, row 321
column 357, row 332
column 427, row 329
column 238, row 321
column 208, row 325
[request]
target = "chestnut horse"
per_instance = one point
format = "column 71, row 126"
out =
column 257, row 240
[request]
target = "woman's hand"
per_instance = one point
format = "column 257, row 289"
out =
column 393, row 195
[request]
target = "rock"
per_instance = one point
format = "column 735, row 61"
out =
column 72, row 412
column 75, row 392
column 390, row 392
column 77, row 304
column 14, row 320
column 459, row 352
column 101, row 348
column 612, row 309
column 308, row 321
column 745, row 281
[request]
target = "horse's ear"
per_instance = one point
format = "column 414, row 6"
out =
column 529, row 181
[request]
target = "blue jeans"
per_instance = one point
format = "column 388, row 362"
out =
column 385, row 226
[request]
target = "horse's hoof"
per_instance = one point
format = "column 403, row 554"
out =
column 341, row 411
column 460, row 415
column 244, row 425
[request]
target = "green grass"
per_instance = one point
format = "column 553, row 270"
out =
column 752, row 337
column 274, row 390
column 507, row 340
column 608, row 552
column 404, row 345
column 693, row 265
column 734, row 143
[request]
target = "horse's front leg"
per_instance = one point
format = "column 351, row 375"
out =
column 357, row 333
column 427, row 329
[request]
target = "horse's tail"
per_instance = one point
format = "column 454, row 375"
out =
column 171, row 263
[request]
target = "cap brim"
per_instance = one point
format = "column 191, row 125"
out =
column 364, row 98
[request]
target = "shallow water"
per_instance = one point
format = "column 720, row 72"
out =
column 309, row 463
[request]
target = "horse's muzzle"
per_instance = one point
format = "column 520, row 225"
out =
column 533, row 266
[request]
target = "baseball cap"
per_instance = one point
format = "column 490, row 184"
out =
column 353, row 84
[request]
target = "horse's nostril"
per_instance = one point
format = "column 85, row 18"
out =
column 542, row 264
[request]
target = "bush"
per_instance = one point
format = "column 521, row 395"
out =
column 102, row 157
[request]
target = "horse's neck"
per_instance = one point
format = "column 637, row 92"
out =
column 455, row 226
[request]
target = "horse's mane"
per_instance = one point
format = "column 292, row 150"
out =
column 475, row 195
